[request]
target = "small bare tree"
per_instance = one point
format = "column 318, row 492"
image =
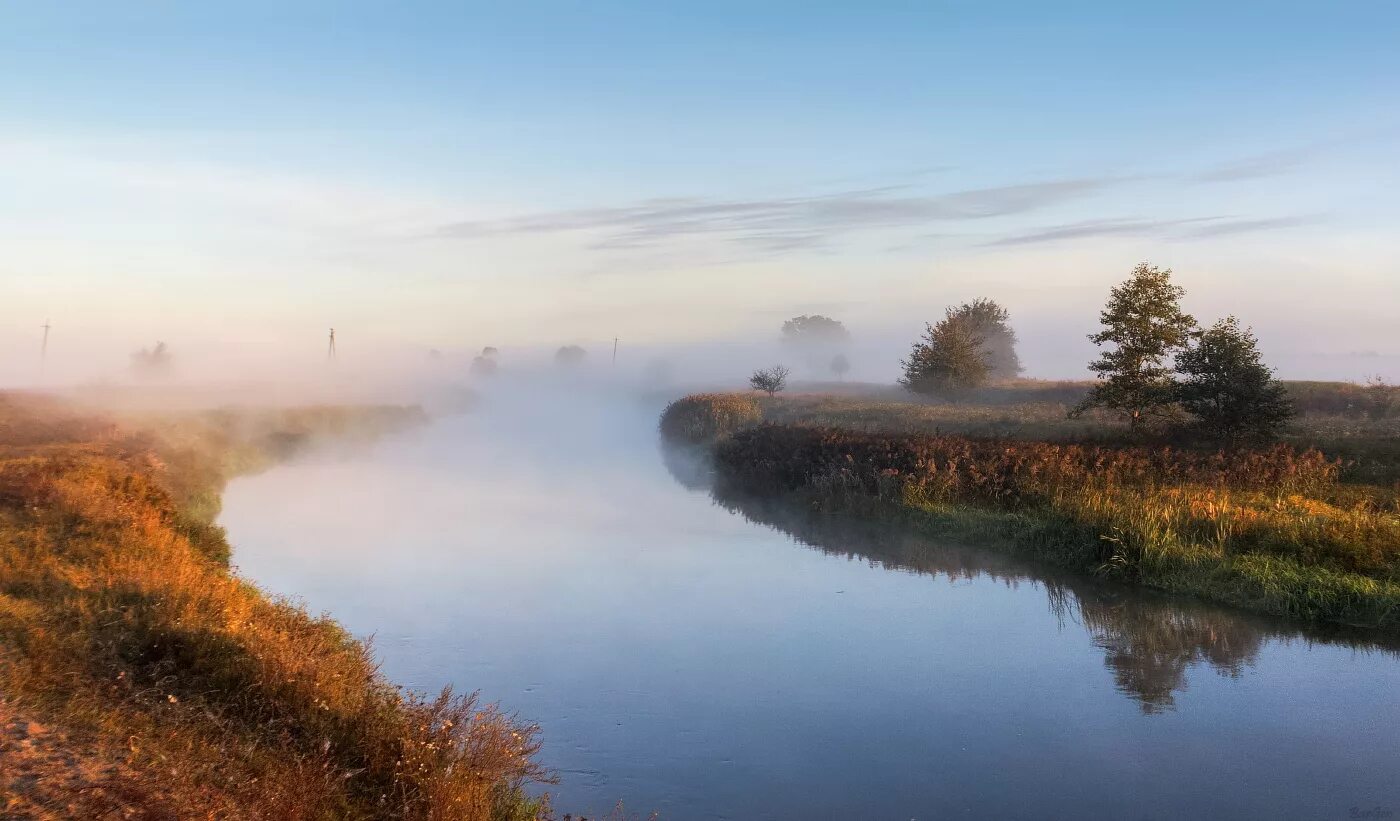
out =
column 771, row 380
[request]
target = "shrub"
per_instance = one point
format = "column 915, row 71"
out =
column 770, row 380
column 948, row 361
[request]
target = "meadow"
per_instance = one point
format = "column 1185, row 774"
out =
column 180, row 690
column 1308, row 529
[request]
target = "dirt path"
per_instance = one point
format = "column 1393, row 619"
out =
column 44, row 774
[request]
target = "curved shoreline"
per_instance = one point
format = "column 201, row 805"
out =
column 123, row 628
column 1215, row 537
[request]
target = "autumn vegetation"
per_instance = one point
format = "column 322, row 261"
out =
column 121, row 624
column 1185, row 466
column 705, row 417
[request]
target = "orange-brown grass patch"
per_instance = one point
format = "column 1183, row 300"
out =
column 120, row 622
column 704, row 417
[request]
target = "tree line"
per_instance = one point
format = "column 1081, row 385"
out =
column 1159, row 370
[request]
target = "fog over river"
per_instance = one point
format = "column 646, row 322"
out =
column 727, row 658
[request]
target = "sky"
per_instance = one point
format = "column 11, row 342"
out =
column 235, row 178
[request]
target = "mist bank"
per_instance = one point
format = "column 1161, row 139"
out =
column 368, row 367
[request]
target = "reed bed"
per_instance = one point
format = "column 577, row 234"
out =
column 707, row 416
column 1276, row 530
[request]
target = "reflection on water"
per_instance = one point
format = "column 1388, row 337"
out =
column 1149, row 640
column 686, row 656
column 1149, row 646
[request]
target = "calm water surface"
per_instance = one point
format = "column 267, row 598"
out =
column 720, row 658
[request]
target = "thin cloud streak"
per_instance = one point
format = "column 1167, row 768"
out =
column 1094, row 228
column 1182, row 229
column 1271, row 164
column 780, row 223
column 1249, row 226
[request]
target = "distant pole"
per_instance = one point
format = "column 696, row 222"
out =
column 614, row 352
column 44, row 348
column 330, row 350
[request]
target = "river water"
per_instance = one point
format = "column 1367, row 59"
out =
column 722, row 658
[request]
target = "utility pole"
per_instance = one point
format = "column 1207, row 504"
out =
column 614, row 352
column 330, row 351
column 44, row 348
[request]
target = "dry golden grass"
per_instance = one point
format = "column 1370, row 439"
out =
column 1290, row 530
column 703, row 417
column 120, row 622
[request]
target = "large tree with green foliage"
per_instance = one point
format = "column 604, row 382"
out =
column 992, row 322
column 1228, row 390
column 1144, row 324
column 947, row 361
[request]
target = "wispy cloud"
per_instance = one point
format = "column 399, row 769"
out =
column 1189, row 228
column 1228, row 228
column 1094, row 228
column 785, row 223
column 1269, row 164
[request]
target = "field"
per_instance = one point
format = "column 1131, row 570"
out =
column 1308, row 529
column 140, row 678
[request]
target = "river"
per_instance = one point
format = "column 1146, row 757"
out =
column 728, row 659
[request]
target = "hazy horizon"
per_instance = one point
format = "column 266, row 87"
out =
column 235, row 181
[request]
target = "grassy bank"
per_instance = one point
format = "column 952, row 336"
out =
column 1287, row 531
column 185, row 691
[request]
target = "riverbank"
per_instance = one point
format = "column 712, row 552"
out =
column 128, row 643
column 1275, row 531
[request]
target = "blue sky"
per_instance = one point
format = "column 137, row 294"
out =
column 453, row 175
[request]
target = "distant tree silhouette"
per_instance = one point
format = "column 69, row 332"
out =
column 570, row 356
column 1144, row 323
column 840, row 365
column 151, row 362
column 815, row 338
column 1231, row 395
column 770, row 380
column 815, row 329
column 947, row 361
column 992, row 323
column 485, row 363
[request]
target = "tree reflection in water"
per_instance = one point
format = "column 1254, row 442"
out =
column 1149, row 640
